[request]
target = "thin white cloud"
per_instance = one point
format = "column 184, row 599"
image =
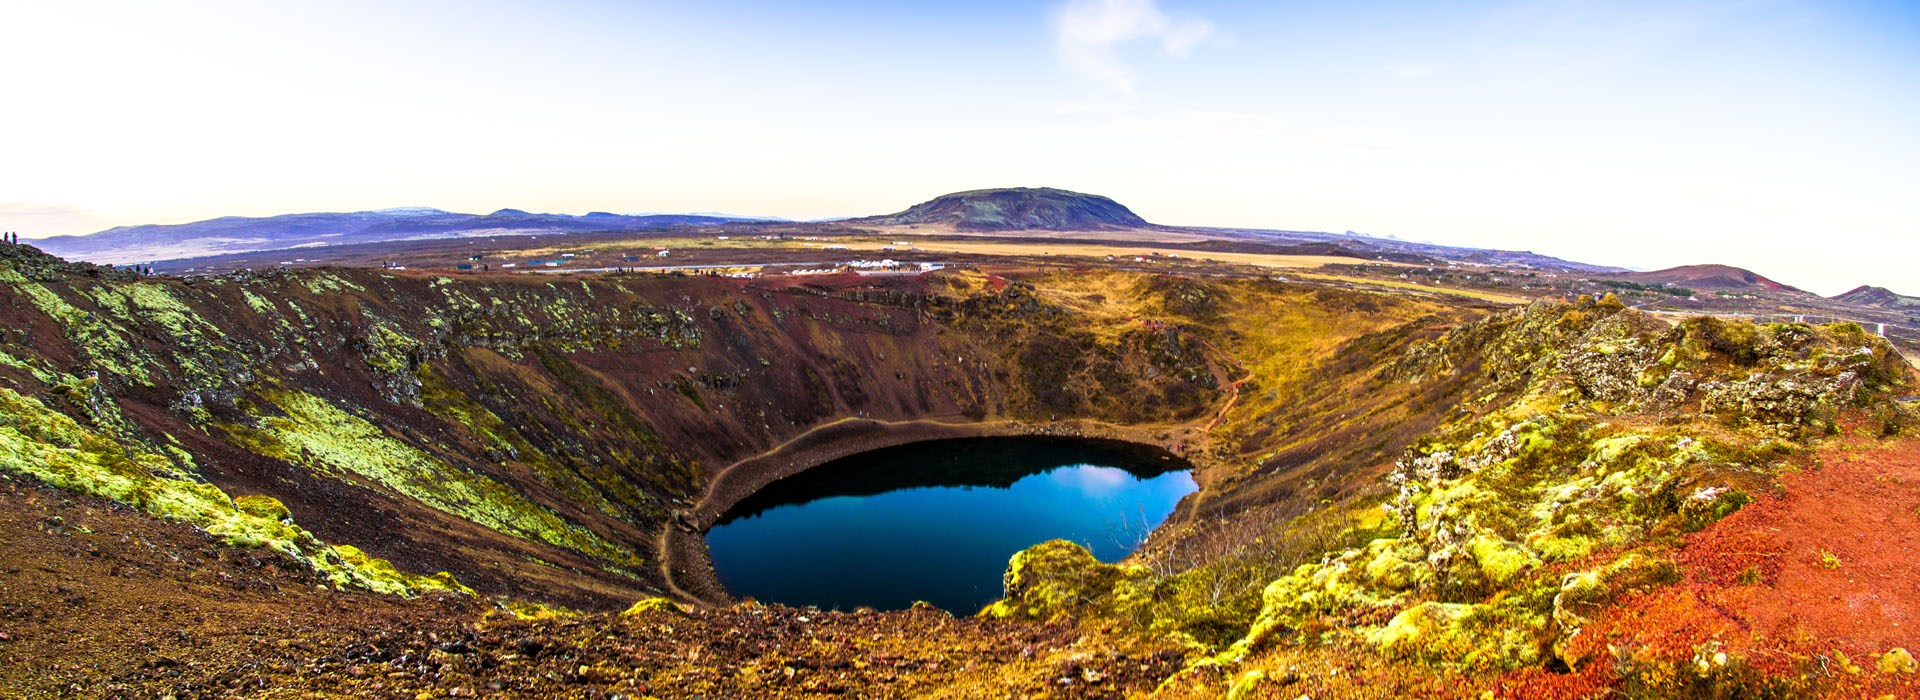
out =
column 1091, row 33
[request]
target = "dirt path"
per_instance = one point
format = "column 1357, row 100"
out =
column 1233, row 387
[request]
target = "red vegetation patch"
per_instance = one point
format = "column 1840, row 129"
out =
column 1833, row 557
column 1593, row 680
column 1803, row 590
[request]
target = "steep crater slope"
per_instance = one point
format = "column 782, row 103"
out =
column 1399, row 497
column 539, row 437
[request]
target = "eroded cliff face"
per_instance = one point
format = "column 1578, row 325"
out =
column 531, row 435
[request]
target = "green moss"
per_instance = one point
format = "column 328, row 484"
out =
column 529, row 610
column 1053, row 577
column 102, row 342
column 389, row 351
column 1248, row 685
column 1426, row 630
column 197, row 356
column 41, row 443
column 314, row 433
column 448, row 403
column 1707, row 506
column 38, row 373
column 1500, row 561
column 328, row 283
column 1561, row 547
column 1507, row 633
column 263, row 507
column 378, row 574
column 258, row 303
column 1396, row 564
column 1298, row 600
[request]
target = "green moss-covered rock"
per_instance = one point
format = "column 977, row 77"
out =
column 1500, row 561
column 1498, row 635
column 1344, row 585
column 263, row 507
column 1053, row 577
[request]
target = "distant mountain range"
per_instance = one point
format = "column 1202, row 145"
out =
column 1037, row 209
column 239, row 234
column 982, row 212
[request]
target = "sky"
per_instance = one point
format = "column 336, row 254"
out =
column 1777, row 135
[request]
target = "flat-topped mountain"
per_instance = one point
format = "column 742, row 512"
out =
column 1710, row 277
column 1016, row 209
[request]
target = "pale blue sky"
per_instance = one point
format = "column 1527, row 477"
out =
column 1777, row 134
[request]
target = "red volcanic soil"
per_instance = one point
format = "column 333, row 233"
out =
column 1835, row 554
column 1826, row 566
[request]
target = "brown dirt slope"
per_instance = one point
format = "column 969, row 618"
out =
column 98, row 601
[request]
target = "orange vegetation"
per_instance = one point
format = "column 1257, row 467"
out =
column 1803, row 591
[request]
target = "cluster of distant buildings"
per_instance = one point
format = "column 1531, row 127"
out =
column 873, row 267
column 561, row 262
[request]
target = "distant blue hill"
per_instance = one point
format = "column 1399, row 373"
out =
column 240, row 234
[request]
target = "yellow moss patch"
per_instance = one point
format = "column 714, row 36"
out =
column 1500, row 561
column 1896, row 661
column 1248, row 685
column 263, row 507
column 380, row 575
column 651, row 605
column 1474, row 636
column 529, row 610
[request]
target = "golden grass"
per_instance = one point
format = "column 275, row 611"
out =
column 1085, row 250
column 1469, row 293
column 1163, row 256
column 1102, row 296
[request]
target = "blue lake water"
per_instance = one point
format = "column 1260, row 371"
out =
column 937, row 521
